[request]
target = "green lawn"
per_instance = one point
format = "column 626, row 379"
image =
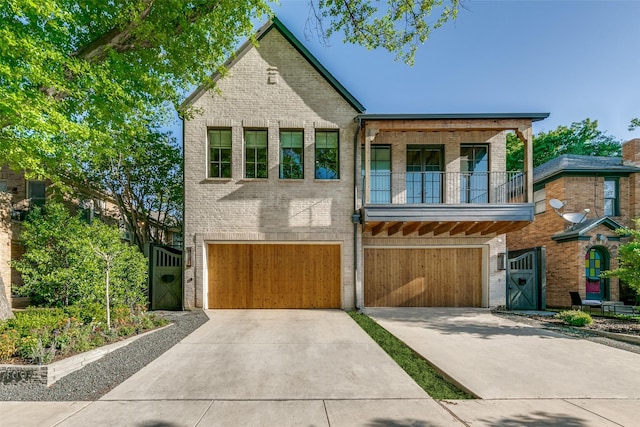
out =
column 422, row 373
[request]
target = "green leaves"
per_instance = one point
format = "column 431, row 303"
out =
column 397, row 26
column 628, row 269
column 72, row 73
column 61, row 267
column 580, row 138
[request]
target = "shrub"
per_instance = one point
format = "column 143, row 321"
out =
column 87, row 312
column 63, row 263
column 39, row 334
column 8, row 343
column 575, row 317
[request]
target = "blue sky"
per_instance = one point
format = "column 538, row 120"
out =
column 573, row 59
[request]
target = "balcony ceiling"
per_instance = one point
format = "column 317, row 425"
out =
column 420, row 228
column 441, row 219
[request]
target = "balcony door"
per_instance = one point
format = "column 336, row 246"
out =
column 474, row 173
column 424, row 174
column 380, row 174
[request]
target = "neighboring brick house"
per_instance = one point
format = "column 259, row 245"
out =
column 294, row 198
column 577, row 253
column 19, row 194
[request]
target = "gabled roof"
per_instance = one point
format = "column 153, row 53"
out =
column 581, row 164
column 580, row 230
column 276, row 24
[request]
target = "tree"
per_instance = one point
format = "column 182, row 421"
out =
column 106, row 245
column 628, row 259
column 635, row 124
column 5, row 227
column 142, row 173
column 580, row 138
column 72, row 73
column 64, row 257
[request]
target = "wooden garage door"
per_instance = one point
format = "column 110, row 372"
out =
column 447, row 277
column 274, row 276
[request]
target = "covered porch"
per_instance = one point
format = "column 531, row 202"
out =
column 444, row 173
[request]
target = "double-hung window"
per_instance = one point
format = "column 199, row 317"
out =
column 327, row 149
column 219, row 153
column 291, row 154
column 540, row 201
column 611, row 204
column 256, row 154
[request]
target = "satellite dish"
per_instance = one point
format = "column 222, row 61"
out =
column 556, row 204
column 575, row 217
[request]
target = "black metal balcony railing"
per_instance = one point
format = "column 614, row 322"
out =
column 445, row 188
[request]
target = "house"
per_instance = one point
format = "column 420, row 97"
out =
column 580, row 202
column 295, row 198
column 18, row 195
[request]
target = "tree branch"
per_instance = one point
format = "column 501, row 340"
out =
column 116, row 38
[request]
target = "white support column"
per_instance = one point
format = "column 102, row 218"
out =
column 369, row 137
column 526, row 135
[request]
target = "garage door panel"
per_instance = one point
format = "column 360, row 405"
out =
column 416, row 277
column 274, row 276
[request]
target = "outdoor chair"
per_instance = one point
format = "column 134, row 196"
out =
column 576, row 300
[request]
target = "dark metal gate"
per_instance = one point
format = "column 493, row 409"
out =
column 526, row 279
column 165, row 278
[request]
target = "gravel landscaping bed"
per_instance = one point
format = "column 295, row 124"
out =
column 98, row 378
column 592, row 332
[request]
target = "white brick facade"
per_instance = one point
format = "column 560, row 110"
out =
column 271, row 87
column 275, row 87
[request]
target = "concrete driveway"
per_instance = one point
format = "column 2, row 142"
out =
column 496, row 358
column 526, row 375
column 268, row 368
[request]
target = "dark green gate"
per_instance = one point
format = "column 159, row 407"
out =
column 165, row 278
column 526, row 279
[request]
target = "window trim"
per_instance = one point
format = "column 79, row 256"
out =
column 244, row 143
column 372, row 192
column 422, row 148
column 209, row 161
column 468, row 190
column 540, row 202
column 281, row 157
column 616, row 198
column 315, row 153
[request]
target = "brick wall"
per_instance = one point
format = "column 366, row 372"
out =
column 631, row 156
column 5, row 245
column 218, row 210
column 565, row 260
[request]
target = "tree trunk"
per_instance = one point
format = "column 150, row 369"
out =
column 5, row 306
column 108, row 302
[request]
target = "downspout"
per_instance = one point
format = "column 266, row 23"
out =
column 184, row 249
column 356, row 214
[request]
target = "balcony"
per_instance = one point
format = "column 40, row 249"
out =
column 445, row 202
